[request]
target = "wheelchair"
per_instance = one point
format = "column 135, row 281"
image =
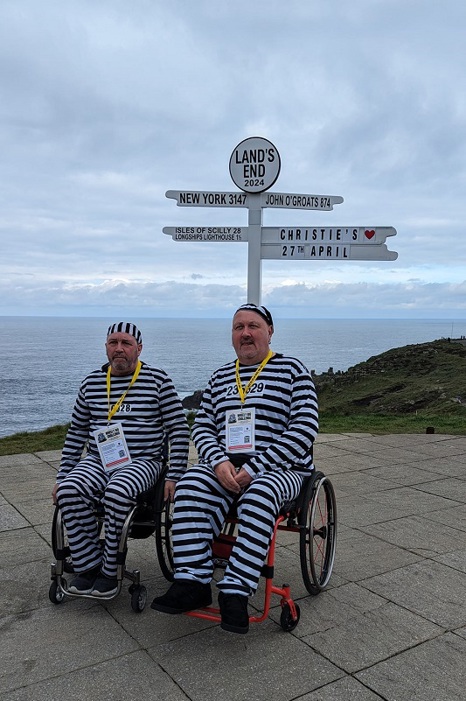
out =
column 312, row 515
column 147, row 517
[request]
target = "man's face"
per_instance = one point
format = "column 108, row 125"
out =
column 250, row 337
column 123, row 353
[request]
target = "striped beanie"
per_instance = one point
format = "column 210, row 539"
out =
column 262, row 311
column 125, row 327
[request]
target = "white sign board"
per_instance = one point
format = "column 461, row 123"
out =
column 289, row 200
column 327, row 234
column 199, row 198
column 255, row 164
column 211, row 234
column 326, row 251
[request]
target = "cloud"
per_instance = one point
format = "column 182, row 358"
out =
column 105, row 106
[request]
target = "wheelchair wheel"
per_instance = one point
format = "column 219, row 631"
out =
column 163, row 541
column 56, row 596
column 56, row 524
column 286, row 619
column 138, row 598
column 318, row 521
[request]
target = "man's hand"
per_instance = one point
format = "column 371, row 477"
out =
column 54, row 494
column 231, row 480
column 243, row 478
column 226, row 475
column 169, row 490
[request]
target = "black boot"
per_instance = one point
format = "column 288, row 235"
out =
column 183, row 595
column 234, row 611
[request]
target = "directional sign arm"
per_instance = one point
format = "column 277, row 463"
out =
column 211, row 234
column 288, row 200
column 327, row 234
column 326, row 251
column 190, row 198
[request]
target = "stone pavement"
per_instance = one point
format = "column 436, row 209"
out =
column 391, row 625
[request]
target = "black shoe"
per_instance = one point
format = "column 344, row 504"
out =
column 234, row 612
column 183, row 595
column 104, row 586
column 83, row 583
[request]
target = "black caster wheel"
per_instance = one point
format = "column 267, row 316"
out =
column 56, row 595
column 138, row 598
column 287, row 622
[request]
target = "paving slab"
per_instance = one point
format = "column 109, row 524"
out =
column 372, row 636
column 361, row 555
column 432, row 671
column 361, row 510
column 448, row 467
column 39, row 487
column 455, row 560
column 21, row 547
column 359, row 483
column 332, row 608
column 132, row 677
column 49, row 455
column 449, row 487
column 19, row 459
column 10, row 518
column 411, row 500
column 54, row 641
column 349, row 463
column 36, row 510
column 406, row 475
column 25, row 586
column 344, row 689
column 442, row 449
column 265, row 664
column 415, row 533
column 427, row 588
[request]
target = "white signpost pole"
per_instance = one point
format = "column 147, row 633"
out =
column 254, row 250
column 254, row 168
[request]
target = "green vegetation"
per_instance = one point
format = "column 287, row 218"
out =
column 32, row 442
column 426, row 380
column 405, row 390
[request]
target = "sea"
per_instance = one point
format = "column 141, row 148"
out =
column 44, row 359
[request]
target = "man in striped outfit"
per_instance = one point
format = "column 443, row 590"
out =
column 122, row 412
column 254, row 434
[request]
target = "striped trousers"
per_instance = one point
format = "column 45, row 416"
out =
column 201, row 506
column 77, row 494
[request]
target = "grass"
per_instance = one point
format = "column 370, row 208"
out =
column 52, row 438
column 32, row 442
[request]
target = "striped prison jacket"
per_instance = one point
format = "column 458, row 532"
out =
column 285, row 404
column 150, row 410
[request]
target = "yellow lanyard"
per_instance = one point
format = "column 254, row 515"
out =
column 112, row 412
column 242, row 391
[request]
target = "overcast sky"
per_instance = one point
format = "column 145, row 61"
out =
column 105, row 105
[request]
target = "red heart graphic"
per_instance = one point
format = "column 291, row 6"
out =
column 369, row 234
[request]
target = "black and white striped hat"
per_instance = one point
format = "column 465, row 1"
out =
column 125, row 327
column 262, row 311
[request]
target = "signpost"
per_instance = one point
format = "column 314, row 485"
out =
column 254, row 167
column 255, row 164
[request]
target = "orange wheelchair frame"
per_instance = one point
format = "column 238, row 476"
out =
column 313, row 515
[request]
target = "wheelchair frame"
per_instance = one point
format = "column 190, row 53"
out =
column 147, row 513
column 313, row 515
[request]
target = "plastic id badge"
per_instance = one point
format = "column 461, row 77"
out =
column 111, row 443
column 240, row 431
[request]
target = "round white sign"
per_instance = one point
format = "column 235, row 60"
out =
column 255, row 164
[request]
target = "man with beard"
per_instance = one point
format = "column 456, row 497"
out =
column 123, row 412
